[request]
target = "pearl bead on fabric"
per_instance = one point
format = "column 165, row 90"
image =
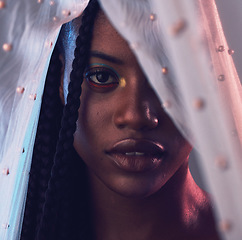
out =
column 198, row 104
column 20, row 90
column 221, row 77
column 221, row 48
column 230, row 51
column 166, row 104
column 221, row 162
column 5, row 225
column 134, row 45
column 48, row 44
column 7, row 47
column 164, row 70
column 225, row 226
column 5, row 171
column 66, row 13
column 32, row 96
column 152, row 17
column 2, row 4
column 178, row 27
column 55, row 19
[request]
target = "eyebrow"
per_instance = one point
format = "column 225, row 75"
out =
column 106, row 57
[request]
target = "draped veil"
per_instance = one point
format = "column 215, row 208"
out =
column 183, row 51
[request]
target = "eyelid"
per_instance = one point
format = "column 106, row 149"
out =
column 104, row 65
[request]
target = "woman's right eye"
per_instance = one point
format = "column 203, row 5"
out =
column 101, row 78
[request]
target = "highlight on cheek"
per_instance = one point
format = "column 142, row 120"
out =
column 122, row 82
column 101, row 76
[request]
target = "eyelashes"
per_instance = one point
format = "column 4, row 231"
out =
column 101, row 76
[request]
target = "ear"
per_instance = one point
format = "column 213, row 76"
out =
column 61, row 91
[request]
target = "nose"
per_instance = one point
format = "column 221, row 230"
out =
column 138, row 108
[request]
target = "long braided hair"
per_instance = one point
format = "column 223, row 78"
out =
column 57, row 199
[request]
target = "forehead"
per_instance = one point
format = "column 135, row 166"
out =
column 106, row 39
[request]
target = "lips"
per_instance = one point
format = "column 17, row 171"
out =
column 134, row 155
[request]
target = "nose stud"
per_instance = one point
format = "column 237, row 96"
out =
column 156, row 121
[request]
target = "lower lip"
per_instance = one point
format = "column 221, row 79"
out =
column 132, row 163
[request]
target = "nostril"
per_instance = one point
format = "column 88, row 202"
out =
column 121, row 126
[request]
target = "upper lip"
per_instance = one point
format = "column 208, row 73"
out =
column 137, row 145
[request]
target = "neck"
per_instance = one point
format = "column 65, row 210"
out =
column 174, row 206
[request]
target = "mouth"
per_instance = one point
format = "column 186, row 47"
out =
column 137, row 155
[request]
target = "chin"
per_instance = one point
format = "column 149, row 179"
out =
column 134, row 187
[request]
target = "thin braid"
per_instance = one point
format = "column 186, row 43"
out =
column 44, row 148
column 58, row 190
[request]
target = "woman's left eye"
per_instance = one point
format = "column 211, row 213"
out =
column 101, row 77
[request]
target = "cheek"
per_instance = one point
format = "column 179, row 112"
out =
column 179, row 150
column 92, row 126
column 182, row 146
column 95, row 129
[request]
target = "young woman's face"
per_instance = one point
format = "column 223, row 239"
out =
column 128, row 142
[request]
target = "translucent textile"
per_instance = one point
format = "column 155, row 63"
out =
column 29, row 30
column 183, row 51
column 182, row 48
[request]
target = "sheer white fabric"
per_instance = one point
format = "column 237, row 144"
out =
column 199, row 88
column 28, row 33
column 183, row 51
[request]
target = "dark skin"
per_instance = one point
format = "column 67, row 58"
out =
column 134, row 197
